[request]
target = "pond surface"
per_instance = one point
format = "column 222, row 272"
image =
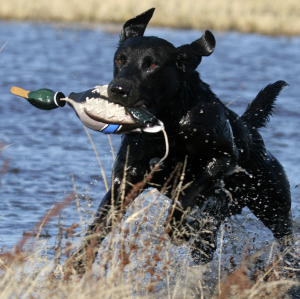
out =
column 49, row 148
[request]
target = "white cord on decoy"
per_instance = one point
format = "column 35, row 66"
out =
column 166, row 141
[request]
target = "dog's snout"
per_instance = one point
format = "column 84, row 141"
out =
column 120, row 91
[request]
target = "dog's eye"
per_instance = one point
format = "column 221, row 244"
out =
column 148, row 63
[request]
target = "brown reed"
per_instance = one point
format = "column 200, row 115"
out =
column 273, row 17
column 136, row 261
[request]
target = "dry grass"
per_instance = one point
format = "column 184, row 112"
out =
column 137, row 260
column 266, row 16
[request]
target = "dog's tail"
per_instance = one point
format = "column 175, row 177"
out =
column 261, row 108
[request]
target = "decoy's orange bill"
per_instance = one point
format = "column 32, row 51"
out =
column 20, row 92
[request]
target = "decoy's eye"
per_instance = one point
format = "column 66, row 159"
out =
column 152, row 65
column 119, row 61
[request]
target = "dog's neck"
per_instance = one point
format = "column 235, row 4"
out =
column 185, row 100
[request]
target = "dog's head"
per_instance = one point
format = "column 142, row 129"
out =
column 149, row 70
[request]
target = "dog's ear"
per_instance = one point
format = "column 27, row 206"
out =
column 137, row 25
column 205, row 44
column 189, row 56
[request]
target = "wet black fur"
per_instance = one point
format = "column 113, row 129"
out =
column 227, row 161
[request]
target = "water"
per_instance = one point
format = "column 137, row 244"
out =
column 51, row 147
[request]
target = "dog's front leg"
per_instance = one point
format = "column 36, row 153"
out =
column 110, row 211
column 210, row 179
column 222, row 162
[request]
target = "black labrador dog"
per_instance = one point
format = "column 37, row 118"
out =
column 226, row 164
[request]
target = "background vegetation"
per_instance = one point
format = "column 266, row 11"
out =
column 272, row 17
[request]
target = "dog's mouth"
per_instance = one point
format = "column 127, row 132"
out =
column 140, row 103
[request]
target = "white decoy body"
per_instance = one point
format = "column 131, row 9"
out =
column 97, row 113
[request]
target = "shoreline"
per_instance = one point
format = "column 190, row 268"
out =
column 115, row 28
column 265, row 17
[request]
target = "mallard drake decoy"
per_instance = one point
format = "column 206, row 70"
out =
column 95, row 110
